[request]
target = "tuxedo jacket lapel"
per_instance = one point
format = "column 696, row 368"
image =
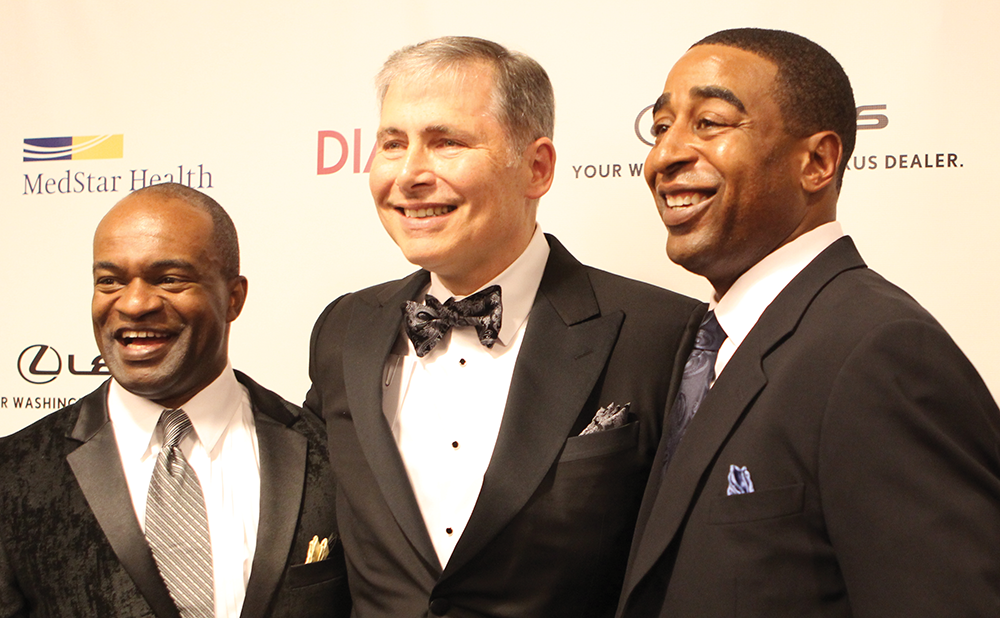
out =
column 730, row 398
column 373, row 330
column 283, row 453
column 565, row 330
column 97, row 468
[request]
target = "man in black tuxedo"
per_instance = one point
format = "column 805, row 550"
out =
column 845, row 461
column 492, row 463
column 82, row 490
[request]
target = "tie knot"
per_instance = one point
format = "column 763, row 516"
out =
column 176, row 425
column 710, row 334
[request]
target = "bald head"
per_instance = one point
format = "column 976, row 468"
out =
column 224, row 238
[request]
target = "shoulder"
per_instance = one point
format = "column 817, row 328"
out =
column 879, row 345
column 615, row 292
column 861, row 300
column 266, row 402
column 635, row 294
column 652, row 310
column 338, row 312
column 33, row 465
column 39, row 439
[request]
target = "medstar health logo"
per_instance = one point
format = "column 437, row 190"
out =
column 74, row 148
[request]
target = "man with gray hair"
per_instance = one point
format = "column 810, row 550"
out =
column 490, row 447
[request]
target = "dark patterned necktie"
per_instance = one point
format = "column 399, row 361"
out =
column 177, row 524
column 699, row 371
column 426, row 324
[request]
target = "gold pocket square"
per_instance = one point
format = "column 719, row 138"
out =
column 320, row 550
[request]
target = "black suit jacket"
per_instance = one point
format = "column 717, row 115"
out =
column 70, row 543
column 872, row 445
column 550, row 532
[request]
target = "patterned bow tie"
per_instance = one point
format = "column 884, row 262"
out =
column 427, row 324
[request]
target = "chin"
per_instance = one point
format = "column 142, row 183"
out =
column 691, row 259
column 680, row 253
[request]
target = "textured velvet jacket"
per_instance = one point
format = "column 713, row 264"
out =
column 71, row 546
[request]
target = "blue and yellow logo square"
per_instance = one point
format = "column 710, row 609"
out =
column 74, row 148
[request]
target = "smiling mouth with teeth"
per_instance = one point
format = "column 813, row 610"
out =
column 686, row 199
column 420, row 213
column 141, row 336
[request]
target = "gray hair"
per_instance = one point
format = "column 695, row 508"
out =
column 523, row 101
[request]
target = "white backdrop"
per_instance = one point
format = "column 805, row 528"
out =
column 237, row 97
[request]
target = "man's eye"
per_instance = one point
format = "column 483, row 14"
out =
column 706, row 123
column 171, row 281
column 393, row 145
column 659, row 129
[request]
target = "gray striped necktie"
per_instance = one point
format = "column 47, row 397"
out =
column 177, row 523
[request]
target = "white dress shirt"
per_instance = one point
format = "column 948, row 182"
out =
column 445, row 409
column 739, row 309
column 222, row 449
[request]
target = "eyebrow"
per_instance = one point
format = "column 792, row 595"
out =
column 434, row 128
column 159, row 265
column 661, row 100
column 718, row 92
column 704, row 92
column 387, row 131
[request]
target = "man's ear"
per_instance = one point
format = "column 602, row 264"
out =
column 541, row 158
column 237, row 297
column 824, row 151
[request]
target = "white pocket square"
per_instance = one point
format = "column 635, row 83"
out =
column 608, row 417
column 739, row 481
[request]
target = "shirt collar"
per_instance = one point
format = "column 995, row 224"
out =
column 739, row 309
column 210, row 410
column 518, row 284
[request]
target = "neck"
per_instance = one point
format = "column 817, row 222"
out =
column 469, row 281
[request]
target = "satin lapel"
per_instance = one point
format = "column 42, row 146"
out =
column 565, row 349
column 283, row 454
column 96, row 465
column 730, row 398
column 373, row 330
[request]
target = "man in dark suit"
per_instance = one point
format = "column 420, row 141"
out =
column 73, row 486
column 845, row 462
column 491, row 463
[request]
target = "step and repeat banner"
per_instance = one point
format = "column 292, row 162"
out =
column 269, row 107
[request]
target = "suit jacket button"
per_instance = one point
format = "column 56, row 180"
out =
column 440, row 607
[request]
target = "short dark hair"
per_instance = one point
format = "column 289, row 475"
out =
column 813, row 91
column 523, row 101
column 223, row 231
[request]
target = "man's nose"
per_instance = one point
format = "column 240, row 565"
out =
column 417, row 169
column 139, row 298
column 673, row 151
